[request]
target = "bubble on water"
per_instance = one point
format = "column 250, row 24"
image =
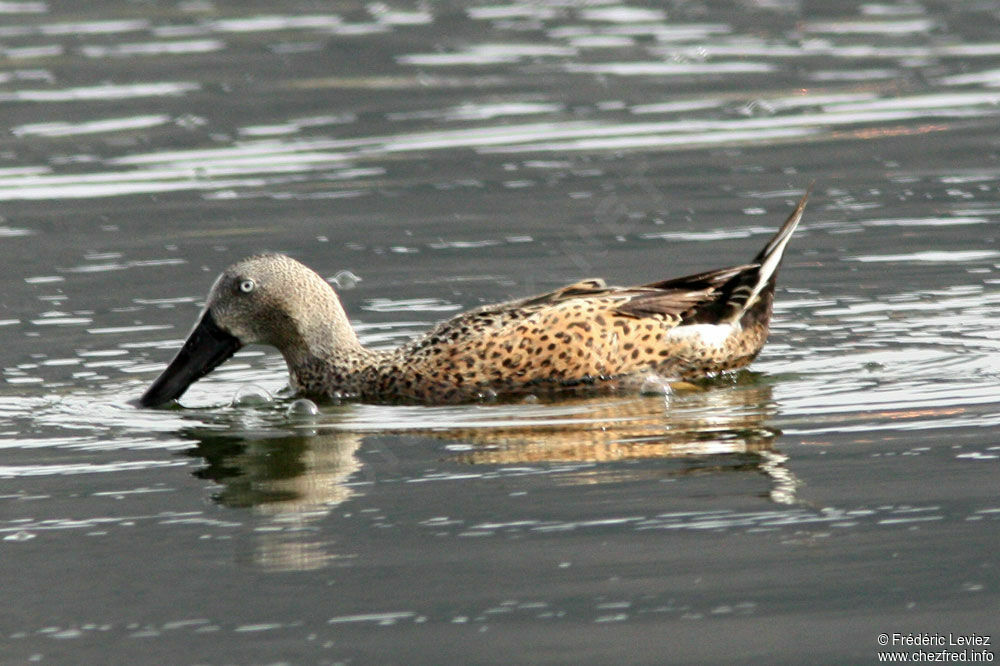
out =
column 251, row 395
column 302, row 407
column 655, row 385
column 530, row 399
column 756, row 108
column 345, row 280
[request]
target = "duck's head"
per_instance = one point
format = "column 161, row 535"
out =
column 266, row 299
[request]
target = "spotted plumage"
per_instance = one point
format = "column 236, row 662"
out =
column 586, row 335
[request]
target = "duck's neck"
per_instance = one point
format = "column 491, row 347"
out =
column 328, row 359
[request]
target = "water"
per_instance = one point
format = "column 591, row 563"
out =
column 433, row 157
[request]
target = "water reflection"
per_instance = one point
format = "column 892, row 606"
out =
column 291, row 482
column 718, row 430
column 691, row 421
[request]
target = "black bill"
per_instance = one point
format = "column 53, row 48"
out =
column 204, row 350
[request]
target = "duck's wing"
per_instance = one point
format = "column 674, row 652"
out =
column 675, row 299
column 710, row 297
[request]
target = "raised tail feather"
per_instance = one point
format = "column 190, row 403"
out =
column 740, row 292
column 770, row 257
column 718, row 296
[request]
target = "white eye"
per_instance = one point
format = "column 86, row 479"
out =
column 248, row 285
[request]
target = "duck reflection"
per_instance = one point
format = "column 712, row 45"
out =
column 710, row 428
column 292, row 481
column 689, row 421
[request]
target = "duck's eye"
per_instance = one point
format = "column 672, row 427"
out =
column 248, row 285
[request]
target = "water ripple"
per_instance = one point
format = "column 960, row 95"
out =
column 57, row 129
column 106, row 92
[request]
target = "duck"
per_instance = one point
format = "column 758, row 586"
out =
column 586, row 336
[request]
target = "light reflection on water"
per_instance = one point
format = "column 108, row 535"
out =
column 257, row 164
column 694, row 50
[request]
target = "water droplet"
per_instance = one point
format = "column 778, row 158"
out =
column 251, row 395
column 302, row 407
column 338, row 397
column 486, row 395
column 655, row 385
column 756, row 108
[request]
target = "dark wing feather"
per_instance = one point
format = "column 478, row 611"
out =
column 668, row 304
column 641, row 301
column 704, row 297
column 688, row 299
